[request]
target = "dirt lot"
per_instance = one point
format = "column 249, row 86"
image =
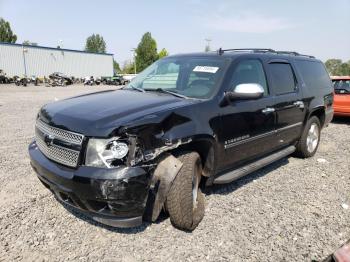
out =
column 294, row 210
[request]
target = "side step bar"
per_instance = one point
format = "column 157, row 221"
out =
column 244, row 170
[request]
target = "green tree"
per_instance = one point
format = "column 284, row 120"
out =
column 6, row 34
column 344, row 69
column 116, row 67
column 146, row 52
column 163, row 53
column 207, row 48
column 128, row 67
column 333, row 66
column 27, row 42
column 96, row 44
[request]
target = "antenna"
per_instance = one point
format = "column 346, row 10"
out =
column 207, row 47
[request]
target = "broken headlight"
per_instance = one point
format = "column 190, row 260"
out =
column 105, row 152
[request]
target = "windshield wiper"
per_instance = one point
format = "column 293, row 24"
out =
column 161, row 90
column 135, row 88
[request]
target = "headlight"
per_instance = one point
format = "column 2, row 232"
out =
column 103, row 152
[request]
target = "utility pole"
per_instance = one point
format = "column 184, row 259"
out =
column 207, row 47
column 24, row 50
column 134, row 53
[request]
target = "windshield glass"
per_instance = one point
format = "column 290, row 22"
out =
column 187, row 76
column 341, row 84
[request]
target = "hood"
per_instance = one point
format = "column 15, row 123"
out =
column 98, row 114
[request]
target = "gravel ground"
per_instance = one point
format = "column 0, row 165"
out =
column 292, row 210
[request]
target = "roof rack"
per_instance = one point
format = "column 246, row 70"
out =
column 292, row 53
column 261, row 50
column 255, row 50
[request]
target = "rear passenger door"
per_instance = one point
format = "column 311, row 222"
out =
column 289, row 106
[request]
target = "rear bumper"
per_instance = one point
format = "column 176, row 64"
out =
column 342, row 110
column 116, row 197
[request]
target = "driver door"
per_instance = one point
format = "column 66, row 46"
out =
column 248, row 126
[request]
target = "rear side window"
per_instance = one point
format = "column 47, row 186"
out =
column 314, row 74
column 282, row 77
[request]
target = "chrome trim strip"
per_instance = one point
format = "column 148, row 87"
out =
column 249, row 139
column 287, row 127
column 262, row 135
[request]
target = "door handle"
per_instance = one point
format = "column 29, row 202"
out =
column 299, row 104
column 268, row 110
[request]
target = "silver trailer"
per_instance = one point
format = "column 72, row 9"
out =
column 17, row 59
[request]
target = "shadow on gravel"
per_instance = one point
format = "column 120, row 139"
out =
column 341, row 120
column 216, row 189
column 86, row 218
column 226, row 189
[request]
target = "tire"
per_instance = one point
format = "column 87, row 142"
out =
column 185, row 213
column 307, row 145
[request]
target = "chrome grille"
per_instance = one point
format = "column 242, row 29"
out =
column 64, row 135
column 58, row 153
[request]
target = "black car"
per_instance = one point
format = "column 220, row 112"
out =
column 60, row 79
column 3, row 78
column 184, row 123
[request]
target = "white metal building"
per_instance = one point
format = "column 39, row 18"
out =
column 17, row 59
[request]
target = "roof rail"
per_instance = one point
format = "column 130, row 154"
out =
column 261, row 50
column 254, row 50
column 293, row 53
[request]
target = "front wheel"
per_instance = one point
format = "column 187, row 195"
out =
column 310, row 138
column 185, row 201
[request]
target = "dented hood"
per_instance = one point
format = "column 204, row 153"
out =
column 98, row 114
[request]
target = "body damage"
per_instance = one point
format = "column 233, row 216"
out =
column 152, row 132
column 152, row 139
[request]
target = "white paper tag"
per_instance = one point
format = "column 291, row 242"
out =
column 206, row 69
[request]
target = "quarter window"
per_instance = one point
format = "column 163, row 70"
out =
column 314, row 74
column 283, row 78
column 250, row 72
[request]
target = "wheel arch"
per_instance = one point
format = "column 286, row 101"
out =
column 205, row 146
column 320, row 113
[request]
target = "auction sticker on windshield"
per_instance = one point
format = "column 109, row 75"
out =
column 206, row 69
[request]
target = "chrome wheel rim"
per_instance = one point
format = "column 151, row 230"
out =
column 312, row 138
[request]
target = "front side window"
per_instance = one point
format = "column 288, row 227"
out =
column 282, row 77
column 250, row 72
column 192, row 77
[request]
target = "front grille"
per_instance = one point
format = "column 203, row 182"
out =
column 59, row 153
column 60, row 134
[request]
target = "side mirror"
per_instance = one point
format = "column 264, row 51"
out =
column 245, row 92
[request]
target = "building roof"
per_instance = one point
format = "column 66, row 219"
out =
column 52, row 48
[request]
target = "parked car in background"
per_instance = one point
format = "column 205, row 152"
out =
column 59, row 79
column 341, row 86
column 114, row 80
column 3, row 77
column 184, row 123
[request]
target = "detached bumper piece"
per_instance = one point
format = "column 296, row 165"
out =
column 115, row 197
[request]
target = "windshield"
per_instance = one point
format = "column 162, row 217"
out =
column 186, row 76
column 341, row 84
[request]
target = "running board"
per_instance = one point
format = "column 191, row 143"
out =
column 244, row 170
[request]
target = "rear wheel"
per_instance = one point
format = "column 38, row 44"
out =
column 185, row 201
column 310, row 138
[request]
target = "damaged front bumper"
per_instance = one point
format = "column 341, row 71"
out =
column 116, row 196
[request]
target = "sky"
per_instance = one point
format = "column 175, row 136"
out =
column 315, row 27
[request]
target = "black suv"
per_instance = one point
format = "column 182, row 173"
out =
column 185, row 122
